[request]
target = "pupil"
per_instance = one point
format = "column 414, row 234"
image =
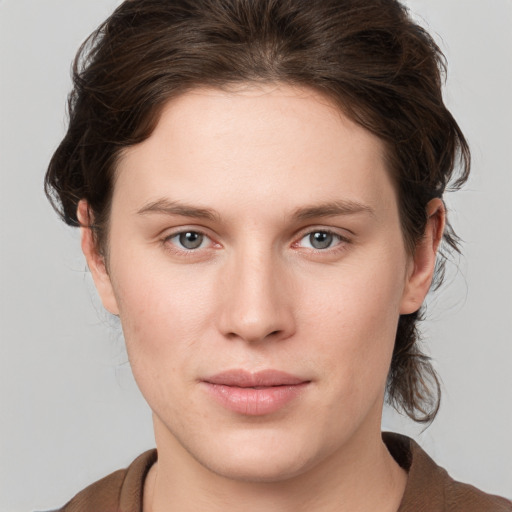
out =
column 320, row 240
column 191, row 240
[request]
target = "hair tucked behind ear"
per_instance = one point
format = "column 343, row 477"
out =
column 382, row 70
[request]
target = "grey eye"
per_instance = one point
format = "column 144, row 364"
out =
column 321, row 239
column 190, row 239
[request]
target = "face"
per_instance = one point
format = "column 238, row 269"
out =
column 258, row 267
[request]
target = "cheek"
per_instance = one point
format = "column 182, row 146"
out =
column 354, row 315
column 164, row 314
column 161, row 326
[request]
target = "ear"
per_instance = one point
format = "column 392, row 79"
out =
column 423, row 261
column 95, row 261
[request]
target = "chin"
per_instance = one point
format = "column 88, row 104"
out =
column 260, row 469
column 266, row 459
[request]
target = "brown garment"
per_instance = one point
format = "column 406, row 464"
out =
column 429, row 487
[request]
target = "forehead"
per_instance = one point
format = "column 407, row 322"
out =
column 276, row 143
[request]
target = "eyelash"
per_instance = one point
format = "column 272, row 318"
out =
column 342, row 241
column 172, row 247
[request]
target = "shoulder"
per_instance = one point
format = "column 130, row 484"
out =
column 102, row 495
column 464, row 497
column 431, row 489
column 121, row 490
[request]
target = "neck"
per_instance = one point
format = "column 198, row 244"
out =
column 362, row 476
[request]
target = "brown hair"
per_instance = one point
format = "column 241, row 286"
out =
column 384, row 71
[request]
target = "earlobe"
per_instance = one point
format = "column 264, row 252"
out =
column 95, row 261
column 423, row 261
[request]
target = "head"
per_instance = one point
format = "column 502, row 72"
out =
column 154, row 60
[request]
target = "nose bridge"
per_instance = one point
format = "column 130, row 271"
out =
column 256, row 304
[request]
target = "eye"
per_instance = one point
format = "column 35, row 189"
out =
column 321, row 239
column 188, row 240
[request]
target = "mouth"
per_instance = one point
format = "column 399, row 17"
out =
column 254, row 394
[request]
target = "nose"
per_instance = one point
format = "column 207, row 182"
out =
column 258, row 303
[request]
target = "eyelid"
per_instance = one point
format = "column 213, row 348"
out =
column 169, row 234
column 339, row 233
column 344, row 234
column 343, row 239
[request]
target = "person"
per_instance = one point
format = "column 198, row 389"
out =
column 259, row 188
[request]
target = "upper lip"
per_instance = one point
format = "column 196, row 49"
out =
column 263, row 378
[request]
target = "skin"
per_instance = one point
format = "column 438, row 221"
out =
column 256, row 295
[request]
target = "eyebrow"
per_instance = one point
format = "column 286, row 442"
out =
column 329, row 209
column 333, row 209
column 166, row 207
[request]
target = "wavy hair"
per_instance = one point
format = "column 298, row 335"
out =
column 383, row 71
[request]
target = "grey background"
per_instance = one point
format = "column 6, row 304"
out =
column 70, row 411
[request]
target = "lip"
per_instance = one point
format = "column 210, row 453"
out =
column 254, row 394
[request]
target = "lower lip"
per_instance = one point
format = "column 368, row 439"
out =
column 252, row 401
